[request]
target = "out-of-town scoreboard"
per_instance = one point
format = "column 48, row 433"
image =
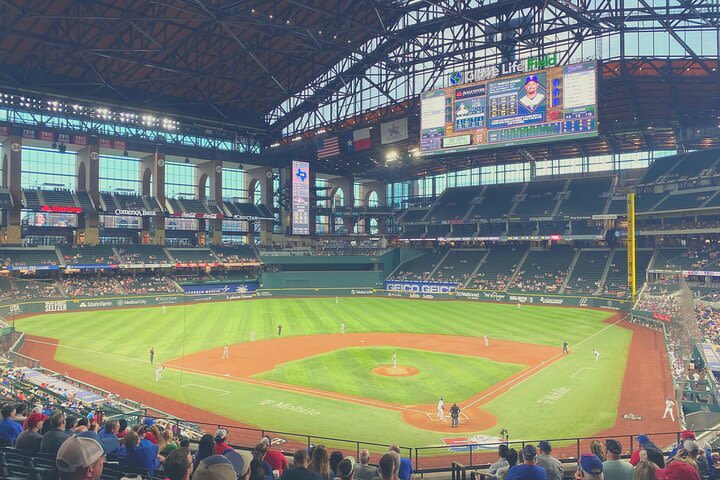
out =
column 528, row 101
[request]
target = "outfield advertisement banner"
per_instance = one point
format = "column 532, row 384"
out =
column 540, row 299
column 220, row 288
column 420, row 287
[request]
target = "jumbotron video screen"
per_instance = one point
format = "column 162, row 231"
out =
column 556, row 103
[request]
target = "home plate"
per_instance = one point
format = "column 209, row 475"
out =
column 227, row 374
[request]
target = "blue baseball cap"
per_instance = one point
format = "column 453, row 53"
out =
column 642, row 439
column 531, row 78
column 149, row 422
column 591, row 463
column 544, row 446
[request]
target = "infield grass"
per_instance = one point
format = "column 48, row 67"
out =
column 115, row 344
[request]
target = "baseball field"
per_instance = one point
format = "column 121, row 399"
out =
column 314, row 379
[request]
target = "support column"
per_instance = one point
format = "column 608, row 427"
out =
column 263, row 176
column 153, row 184
column 87, row 169
column 213, row 170
column 12, row 157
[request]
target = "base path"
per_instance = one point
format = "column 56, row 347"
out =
column 248, row 359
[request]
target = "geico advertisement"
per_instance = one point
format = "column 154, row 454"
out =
column 412, row 287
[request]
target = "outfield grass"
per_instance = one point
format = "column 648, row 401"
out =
column 115, row 343
column 349, row 371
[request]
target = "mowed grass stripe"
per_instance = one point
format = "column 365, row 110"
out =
column 349, row 371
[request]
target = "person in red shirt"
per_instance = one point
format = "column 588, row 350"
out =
column 221, row 445
column 274, row 458
column 150, row 431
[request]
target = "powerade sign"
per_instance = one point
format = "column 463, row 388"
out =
column 220, row 288
column 420, row 287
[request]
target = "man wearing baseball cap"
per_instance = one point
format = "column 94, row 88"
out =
column 613, row 467
column 80, row 458
column 591, row 467
column 29, row 440
column 240, row 460
column 552, row 465
column 221, row 445
column 215, row 467
column 527, row 470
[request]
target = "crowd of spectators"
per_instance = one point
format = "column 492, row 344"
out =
column 148, row 284
column 543, row 282
column 29, row 290
column 79, row 256
column 80, row 286
column 326, row 248
column 497, row 282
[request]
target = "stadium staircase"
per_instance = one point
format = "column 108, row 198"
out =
column 560, row 197
column 518, row 199
column 518, row 269
column 603, row 278
column 571, row 268
column 432, row 272
column 41, row 197
column 477, row 269
column 75, row 198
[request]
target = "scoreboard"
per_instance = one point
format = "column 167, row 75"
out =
column 557, row 103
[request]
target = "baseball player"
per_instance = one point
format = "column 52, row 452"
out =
column 596, row 354
column 669, row 404
column 279, row 330
column 441, row 409
column 342, row 328
column 226, row 352
column 565, row 349
column 337, row 300
column 487, row 340
column 158, row 373
column 152, row 355
column 394, row 359
column 252, row 335
column 164, row 309
column 455, row 415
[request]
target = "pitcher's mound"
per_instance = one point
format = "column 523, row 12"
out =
column 398, row 371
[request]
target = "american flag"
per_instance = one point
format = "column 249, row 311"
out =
column 328, row 147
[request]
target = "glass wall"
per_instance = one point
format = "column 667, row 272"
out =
column 233, row 182
column 120, row 174
column 180, row 180
column 48, row 169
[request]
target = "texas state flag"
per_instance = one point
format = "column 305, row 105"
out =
column 358, row 141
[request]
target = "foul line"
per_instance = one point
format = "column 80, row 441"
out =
column 224, row 392
column 574, row 375
column 537, row 368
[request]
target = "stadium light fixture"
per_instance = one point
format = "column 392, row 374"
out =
column 391, row 155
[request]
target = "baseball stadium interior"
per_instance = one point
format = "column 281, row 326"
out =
column 403, row 170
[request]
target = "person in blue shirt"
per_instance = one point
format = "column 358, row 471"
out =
column 134, row 455
column 9, row 428
column 527, row 470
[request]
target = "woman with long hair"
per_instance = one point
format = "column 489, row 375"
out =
column 320, row 463
column 335, row 459
column 597, row 448
column 206, row 448
column 644, row 470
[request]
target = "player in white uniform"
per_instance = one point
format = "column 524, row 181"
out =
column 596, row 354
column 226, row 352
column 164, row 309
column 252, row 335
column 158, row 374
column 394, row 359
column 336, row 300
column 342, row 328
column 669, row 407
column 441, row 409
column 487, row 340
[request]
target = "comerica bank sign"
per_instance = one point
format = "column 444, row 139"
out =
column 493, row 71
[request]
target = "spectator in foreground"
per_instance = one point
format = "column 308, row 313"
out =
column 591, row 468
column 274, row 458
column 597, row 449
column 385, row 468
column 644, row 471
column 178, row 465
column 346, row 469
column 678, row 470
column 335, row 459
column 527, row 470
column 29, row 440
column 221, row 445
column 613, row 467
column 319, row 462
column 9, row 428
column 52, row 440
column 363, row 471
column 300, row 470
column 80, row 459
column 240, row 461
column 133, row 454
column 206, row 447
column 502, row 459
column 261, row 466
column 215, row 467
column 512, row 458
column 553, row 467
column 406, row 469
